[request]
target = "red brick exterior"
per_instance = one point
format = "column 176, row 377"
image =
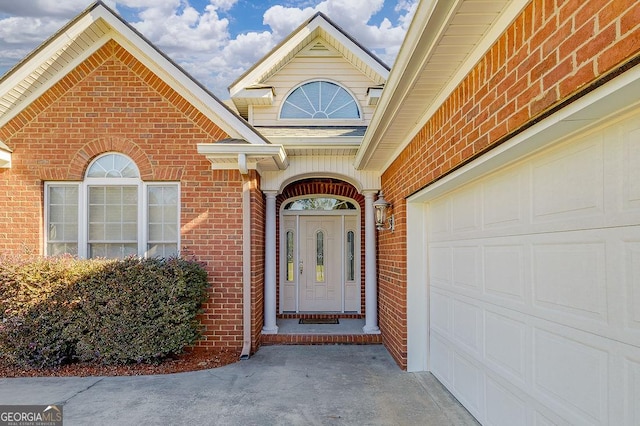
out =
column 554, row 52
column 111, row 102
column 257, row 260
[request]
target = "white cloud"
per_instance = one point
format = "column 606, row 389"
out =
column 199, row 39
column 352, row 16
column 41, row 8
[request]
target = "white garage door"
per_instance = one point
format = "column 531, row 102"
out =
column 534, row 285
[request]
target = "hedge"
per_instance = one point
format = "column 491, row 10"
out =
column 61, row 310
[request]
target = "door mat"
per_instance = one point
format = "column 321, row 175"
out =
column 318, row 321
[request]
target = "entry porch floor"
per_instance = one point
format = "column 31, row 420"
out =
column 347, row 331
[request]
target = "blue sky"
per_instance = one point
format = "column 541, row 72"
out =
column 214, row 40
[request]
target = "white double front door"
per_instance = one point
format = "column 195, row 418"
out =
column 320, row 263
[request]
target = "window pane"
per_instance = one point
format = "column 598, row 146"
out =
column 320, row 256
column 113, row 220
column 112, row 251
column 62, row 219
column 290, row 265
column 162, row 250
column 57, row 249
column 350, row 256
column 163, row 227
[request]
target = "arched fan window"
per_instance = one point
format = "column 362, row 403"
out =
column 320, row 100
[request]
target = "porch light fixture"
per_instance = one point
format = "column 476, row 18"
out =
column 381, row 206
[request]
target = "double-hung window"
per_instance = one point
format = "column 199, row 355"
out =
column 112, row 213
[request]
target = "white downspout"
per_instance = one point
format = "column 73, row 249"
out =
column 246, row 266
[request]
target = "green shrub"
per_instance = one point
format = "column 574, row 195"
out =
column 61, row 310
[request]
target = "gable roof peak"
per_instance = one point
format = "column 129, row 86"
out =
column 318, row 25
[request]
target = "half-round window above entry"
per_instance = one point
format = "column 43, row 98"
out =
column 320, row 203
column 320, row 100
column 113, row 166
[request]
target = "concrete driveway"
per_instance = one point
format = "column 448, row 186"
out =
column 279, row 385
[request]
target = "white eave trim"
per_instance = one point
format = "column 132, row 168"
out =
column 244, row 156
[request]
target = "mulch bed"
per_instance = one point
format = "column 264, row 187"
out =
column 193, row 360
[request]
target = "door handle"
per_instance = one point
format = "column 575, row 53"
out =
column 301, row 266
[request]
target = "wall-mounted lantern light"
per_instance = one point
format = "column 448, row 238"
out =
column 382, row 207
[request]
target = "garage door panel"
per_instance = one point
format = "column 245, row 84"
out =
column 467, row 381
column 466, row 270
column 440, row 266
column 504, row 199
column 569, row 182
column 506, row 346
column 631, row 161
column 441, row 312
column 571, row 375
column 570, row 277
column 465, row 211
column 467, row 325
column 632, row 283
column 632, row 386
column 440, row 220
column 504, row 271
column 441, row 359
column 504, row 408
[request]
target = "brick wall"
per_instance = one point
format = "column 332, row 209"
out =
column 257, row 260
column 554, row 52
column 111, row 102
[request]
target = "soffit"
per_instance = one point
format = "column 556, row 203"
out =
column 444, row 42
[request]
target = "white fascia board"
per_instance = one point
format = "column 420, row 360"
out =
column 175, row 77
column 611, row 100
